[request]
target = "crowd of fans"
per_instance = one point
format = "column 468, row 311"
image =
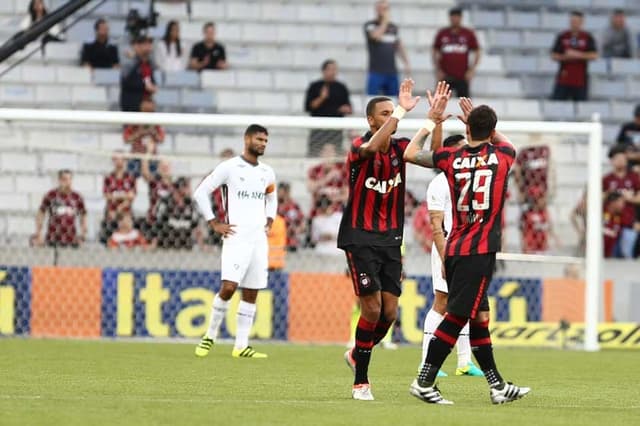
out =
column 172, row 222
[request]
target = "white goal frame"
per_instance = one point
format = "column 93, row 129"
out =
column 592, row 260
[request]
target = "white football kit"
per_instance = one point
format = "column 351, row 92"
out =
column 439, row 198
column 250, row 198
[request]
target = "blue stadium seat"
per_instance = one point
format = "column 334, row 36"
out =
column 558, row 110
column 187, row 78
column 106, row 76
column 198, row 100
column 167, row 98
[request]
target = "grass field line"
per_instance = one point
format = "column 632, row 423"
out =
column 174, row 400
column 243, row 401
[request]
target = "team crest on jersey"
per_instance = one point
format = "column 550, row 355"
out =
column 395, row 162
column 475, row 162
column 364, row 279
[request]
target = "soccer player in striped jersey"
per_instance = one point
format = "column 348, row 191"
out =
column 372, row 225
column 477, row 174
column 440, row 216
column 251, row 205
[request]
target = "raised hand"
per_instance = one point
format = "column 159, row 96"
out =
column 439, row 96
column 465, row 106
column 405, row 97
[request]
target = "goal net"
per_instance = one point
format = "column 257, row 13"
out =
column 147, row 266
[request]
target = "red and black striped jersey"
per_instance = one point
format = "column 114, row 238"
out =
column 477, row 178
column 374, row 214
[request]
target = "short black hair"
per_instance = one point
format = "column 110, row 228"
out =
column 373, row 102
column 482, row 122
column 452, row 140
column 618, row 11
column 180, row 183
column 577, row 13
column 255, row 128
column 636, row 112
column 455, row 11
column 62, row 172
column 328, row 62
column 207, row 25
column 617, row 149
column 99, row 22
column 612, row 196
column 284, row 185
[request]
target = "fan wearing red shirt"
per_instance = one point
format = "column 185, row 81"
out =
column 422, row 227
column 63, row 205
column 612, row 223
column 477, row 174
column 450, row 54
column 136, row 78
column 126, row 236
column 628, row 184
column 292, row 214
column 328, row 179
column 573, row 49
column 143, row 139
column 119, row 190
column 536, row 224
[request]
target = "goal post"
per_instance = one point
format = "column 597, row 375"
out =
column 588, row 137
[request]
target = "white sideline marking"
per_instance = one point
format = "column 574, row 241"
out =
column 256, row 401
column 169, row 400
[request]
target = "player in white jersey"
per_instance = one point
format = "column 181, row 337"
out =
column 251, row 205
column 440, row 215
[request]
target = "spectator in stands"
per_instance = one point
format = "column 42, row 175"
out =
column 329, row 179
column 535, row 223
column 422, row 227
column 383, row 42
column 169, row 54
column 450, row 53
column 277, row 236
column 62, row 205
column 532, row 168
column 327, row 97
column 143, row 139
column 208, row 54
column 324, row 228
column 100, row 53
column 630, row 131
column 612, row 218
column 177, row 219
column 126, row 236
column 37, row 11
column 119, row 190
column 617, row 39
column 621, row 180
column 579, row 222
column 136, row 79
column 573, row 49
column 160, row 186
column 293, row 216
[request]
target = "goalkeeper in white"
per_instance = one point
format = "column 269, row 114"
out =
column 248, row 188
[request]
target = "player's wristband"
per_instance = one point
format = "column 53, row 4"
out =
column 398, row 113
column 429, row 125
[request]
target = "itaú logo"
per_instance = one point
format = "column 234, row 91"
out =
column 383, row 186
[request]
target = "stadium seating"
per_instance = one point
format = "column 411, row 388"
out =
column 275, row 48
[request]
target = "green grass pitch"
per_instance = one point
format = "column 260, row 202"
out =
column 54, row 382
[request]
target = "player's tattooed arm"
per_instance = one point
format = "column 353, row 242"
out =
column 415, row 152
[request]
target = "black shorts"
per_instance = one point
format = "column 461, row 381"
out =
column 459, row 86
column 468, row 278
column 375, row 269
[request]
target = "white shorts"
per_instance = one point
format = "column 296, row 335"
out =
column 246, row 262
column 439, row 283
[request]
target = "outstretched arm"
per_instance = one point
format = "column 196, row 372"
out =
column 382, row 138
column 415, row 152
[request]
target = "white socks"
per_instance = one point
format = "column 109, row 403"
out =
column 246, row 314
column 218, row 312
column 431, row 322
column 464, row 347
